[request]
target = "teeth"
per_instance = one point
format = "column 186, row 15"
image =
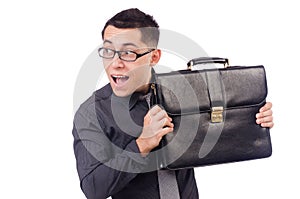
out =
column 119, row 76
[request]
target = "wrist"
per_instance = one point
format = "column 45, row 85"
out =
column 144, row 150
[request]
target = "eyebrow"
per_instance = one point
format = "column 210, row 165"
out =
column 107, row 41
column 125, row 44
column 130, row 44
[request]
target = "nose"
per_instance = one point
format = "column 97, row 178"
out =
column 116, row 62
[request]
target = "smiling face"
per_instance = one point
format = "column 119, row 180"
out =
column 128, row 77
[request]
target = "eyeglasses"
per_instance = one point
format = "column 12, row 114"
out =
column 125, row 55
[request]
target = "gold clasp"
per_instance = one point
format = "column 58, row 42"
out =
column 153, row 88
column 217, row 114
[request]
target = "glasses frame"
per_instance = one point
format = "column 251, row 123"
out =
column 119, row 52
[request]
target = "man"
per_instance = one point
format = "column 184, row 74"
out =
column 115, row 130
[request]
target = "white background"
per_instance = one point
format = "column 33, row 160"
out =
column 43, row 45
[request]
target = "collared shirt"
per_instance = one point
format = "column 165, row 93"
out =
column 108, row 159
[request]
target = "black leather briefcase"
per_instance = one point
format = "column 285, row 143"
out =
column 213, row 112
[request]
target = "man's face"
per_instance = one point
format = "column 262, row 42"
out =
column 128, row 77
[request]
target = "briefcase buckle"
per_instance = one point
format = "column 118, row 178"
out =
column 217, row 114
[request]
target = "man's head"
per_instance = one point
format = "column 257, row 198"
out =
column 134, row 18
column 129, row 51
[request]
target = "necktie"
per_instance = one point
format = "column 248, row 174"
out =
column 168, row 187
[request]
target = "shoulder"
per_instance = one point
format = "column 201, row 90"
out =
column 103, row 93
column 88, row 107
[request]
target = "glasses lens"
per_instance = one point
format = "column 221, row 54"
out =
column 106, row 52
column 128, row 56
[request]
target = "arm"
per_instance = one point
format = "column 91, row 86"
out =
column 99, row 165
column 265, row 116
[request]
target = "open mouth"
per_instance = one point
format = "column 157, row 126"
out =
column 120, row 79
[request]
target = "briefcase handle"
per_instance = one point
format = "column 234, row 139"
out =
column 208, row 60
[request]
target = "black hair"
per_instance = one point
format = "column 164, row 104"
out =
column 134, row 18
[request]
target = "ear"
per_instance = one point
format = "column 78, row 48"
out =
column 156, row 54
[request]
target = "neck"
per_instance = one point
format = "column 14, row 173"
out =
column 143, row 89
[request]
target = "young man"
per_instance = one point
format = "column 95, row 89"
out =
column 115, row 130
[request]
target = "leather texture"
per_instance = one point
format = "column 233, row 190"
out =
column 188, row 97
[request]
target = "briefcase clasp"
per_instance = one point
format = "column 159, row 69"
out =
column 217, row 114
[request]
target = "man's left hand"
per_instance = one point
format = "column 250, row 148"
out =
column 265, row 116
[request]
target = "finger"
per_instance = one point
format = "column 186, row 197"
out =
column 266, row 107
column 264, row 120
column 154, row 110
column 264, row 114
column 160, row 115
column 267, row 124
column 166, row 122
column 164, row 131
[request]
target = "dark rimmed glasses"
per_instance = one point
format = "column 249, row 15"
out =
column 125, row 55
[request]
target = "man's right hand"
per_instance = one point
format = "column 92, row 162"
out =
column 157, row 123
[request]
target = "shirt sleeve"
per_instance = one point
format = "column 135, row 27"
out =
column 103, row 168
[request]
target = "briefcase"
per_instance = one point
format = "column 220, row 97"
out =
column 213, row 111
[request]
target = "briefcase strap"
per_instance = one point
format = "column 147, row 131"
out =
column 216, row 95
column 217, row 100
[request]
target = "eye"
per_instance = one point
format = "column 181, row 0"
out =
column 128, row 53
column 107, row 52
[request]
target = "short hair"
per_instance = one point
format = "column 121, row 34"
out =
column 134, row 18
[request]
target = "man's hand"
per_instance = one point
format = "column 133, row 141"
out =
column 157, row 123
column 265, row 116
